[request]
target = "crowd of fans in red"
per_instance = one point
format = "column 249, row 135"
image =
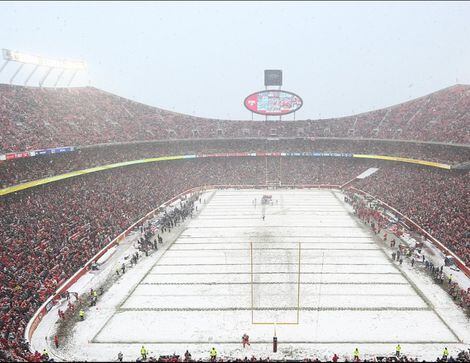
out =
column 35, row 118
column 435, row 199
column 48, row 232
column 17, row 171
column 372, row 214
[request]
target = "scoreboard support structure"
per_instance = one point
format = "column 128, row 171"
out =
column 273, row 101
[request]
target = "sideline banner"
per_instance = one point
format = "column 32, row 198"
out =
column 403, row 160
column 72, row 174
column 27, row 154
column 38, row 182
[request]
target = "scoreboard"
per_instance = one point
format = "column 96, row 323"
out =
column 273, row 77
column 273, row 102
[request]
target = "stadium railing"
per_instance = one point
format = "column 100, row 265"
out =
column 410, row 224
column 52, row 300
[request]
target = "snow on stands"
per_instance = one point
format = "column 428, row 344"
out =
column 230, row 272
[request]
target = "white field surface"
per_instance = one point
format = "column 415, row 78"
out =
column 228, row 272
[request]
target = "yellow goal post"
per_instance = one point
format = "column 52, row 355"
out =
column 296, row 322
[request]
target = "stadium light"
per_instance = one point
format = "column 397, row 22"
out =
column 20, row 57
column 50, row 64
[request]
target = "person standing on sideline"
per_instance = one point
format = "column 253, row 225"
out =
column 213, row 354
column 356, row 355
column 445, row 353
column 397, row 351
column 45, row 355
column 143, row 353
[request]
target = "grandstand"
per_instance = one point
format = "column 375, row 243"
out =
column 34, row 118
column 54, row 223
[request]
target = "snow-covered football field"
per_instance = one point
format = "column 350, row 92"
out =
column 309, row 271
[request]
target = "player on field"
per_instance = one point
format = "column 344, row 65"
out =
column 245, row 340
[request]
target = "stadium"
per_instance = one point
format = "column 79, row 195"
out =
column 133, row 233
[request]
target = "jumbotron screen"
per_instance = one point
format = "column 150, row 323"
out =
column 273, row 102
column 273, row 77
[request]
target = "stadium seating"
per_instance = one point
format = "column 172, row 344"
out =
column 35, row 118
column 67, row 222
column 436, row 200
column 26, row 169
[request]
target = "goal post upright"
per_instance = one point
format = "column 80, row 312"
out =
column 252, row 295
column 298, row 285
column 297, row 321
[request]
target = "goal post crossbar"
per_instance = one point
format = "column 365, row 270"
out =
column 253, row 299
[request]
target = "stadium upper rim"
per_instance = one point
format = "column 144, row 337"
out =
column 379, row 129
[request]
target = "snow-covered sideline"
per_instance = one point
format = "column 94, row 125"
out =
column 227, row 269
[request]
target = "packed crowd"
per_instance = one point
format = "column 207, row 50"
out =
column 35, row 118
column 372, row 214
column 48, row 232
column 75, row 306
column 437, row 200
column 179, row 214
column 17, row 171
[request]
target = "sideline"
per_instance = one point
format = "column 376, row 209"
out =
column 42, row 311
column 174, row 238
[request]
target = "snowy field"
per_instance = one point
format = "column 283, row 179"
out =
column 229, row 272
